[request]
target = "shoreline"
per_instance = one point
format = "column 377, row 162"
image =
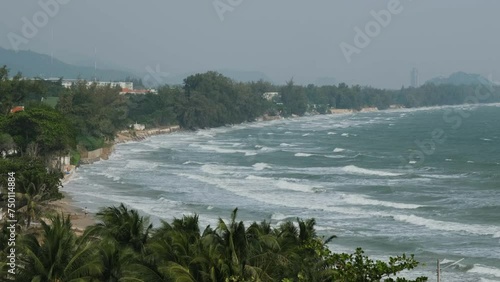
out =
column 80, row 220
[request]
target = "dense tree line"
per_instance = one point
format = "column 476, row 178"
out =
column 210, row 100
column 124, row 246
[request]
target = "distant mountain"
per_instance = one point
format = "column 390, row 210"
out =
column 461, row 78
column 32, row 64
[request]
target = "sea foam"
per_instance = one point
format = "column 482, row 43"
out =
column 483, row 269
column 361, row 200
column 303, row 155
column 357, row 170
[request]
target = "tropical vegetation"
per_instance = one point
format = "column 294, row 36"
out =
column 41, row 121
column 124, row 246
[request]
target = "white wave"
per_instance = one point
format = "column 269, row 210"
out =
column 332, row 133
column 306, row 134
column 288, row 132
column 345, row 135
column 485, row 270
column 193, row 162
column 253, row 177
column 222, row 150
column 141, row 165
column 286, row 185
column 204, row 133
column 279, row 216
column 487, row 280
column 258, row 188
column 287, row 145
column 486, row 139
column 338, row 150
column 303, row 155
column 357, row 170
column 212, row 169
column 361, row 200
column 449, row 160
column 448, row 226
column 261, row 166
column 109, row 176
column 334, row 156
column 440, row 176
column 470, row 162
column 412, row 162
column 139, row 150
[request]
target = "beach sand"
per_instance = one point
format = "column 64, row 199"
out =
column 79, row 218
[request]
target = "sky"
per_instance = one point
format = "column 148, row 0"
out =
column 282, row 38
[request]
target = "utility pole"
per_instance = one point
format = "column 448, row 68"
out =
column 438, row 271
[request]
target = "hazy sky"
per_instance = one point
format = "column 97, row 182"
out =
column 282, row 38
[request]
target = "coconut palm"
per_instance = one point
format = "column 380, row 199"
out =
column 57, row 256
column 34, row 199
column 114, row 260
column 124, row 226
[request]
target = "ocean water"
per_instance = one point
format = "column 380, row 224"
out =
column 422, row 181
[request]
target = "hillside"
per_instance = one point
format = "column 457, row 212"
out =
column 32, row 64
column 460, row 78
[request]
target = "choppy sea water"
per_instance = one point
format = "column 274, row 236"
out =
column 423, row 181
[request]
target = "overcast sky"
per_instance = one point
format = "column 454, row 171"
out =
column 282, row 38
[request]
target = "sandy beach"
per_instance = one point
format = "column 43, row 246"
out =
column 80, row 218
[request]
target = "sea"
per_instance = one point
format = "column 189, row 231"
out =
column 417, row 181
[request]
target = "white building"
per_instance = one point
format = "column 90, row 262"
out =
column 414, row 79
column 69, row 82
column 270, row 95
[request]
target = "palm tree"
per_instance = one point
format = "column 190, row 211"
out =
column 34, row 199
column 114, row 260
column 125, row 226
column 57, row 257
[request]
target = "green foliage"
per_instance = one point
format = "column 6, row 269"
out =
column 75, row 157
column 41, row 126
column 154, row 110
column 121, row 247
column 51, row 101
column 35, row 187
column 6, row 142
column 211, row 100
column 294, row 99
column 31, row 171
column 90, row 142
column 125, row 227
column 58, row 257
column 97, row 112
column 16, row 91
